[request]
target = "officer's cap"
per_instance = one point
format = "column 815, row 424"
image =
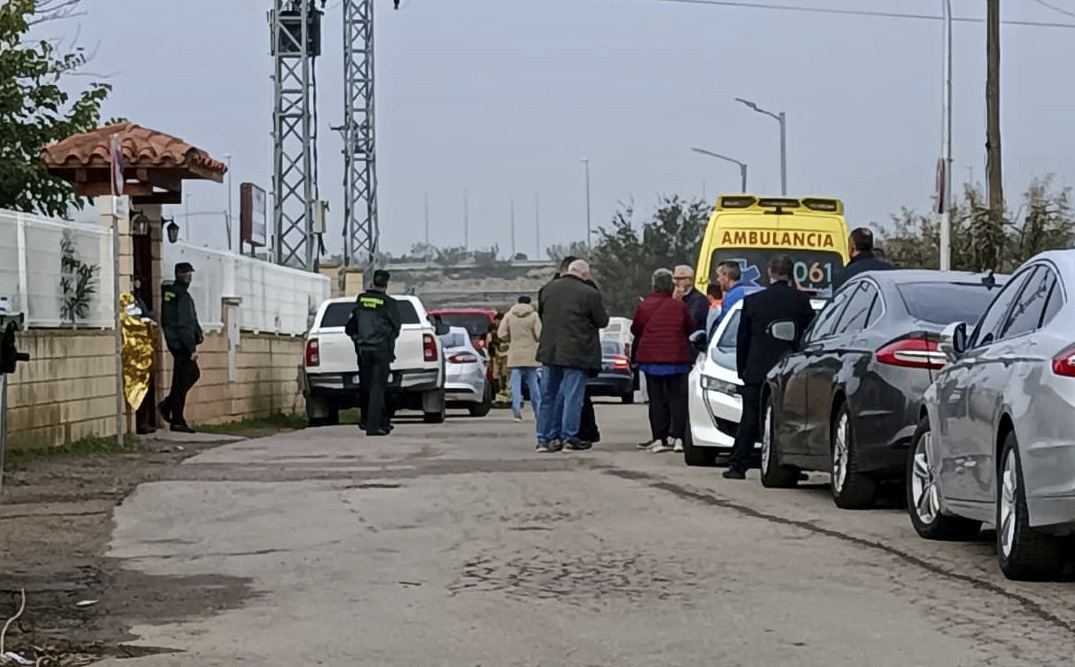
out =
column 183, row 268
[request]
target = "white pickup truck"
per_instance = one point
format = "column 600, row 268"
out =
column 330, row 368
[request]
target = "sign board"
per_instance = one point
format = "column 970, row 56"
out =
column 253, row 215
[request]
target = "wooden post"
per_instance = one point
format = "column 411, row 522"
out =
column 994, row 173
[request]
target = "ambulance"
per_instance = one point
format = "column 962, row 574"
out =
column 751, row 230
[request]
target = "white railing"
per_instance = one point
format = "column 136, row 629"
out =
column 275, row 299
column 33, row 273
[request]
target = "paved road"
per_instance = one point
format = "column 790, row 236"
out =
column 458, row 545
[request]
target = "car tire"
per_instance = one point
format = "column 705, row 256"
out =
column 482, row 409
column 705, row 457
column 774, row 475
column 321, row 413
column 628, row 398
column 851, row 489
column 1023, row 553
column 923, row 496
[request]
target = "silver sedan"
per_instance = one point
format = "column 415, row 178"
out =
column 996, row 445
column 465, row 385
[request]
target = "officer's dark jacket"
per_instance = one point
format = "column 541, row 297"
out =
column 757, row 351
column 179, row 319
column 375, row 322
column 860, row 263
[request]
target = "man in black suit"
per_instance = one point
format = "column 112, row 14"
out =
column 864, row 257
column 758, row 351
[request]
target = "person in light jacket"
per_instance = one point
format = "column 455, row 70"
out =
column 521, row 328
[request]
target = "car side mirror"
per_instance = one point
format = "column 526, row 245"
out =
column 783, row 330
column 698, row 341
column 953, row 342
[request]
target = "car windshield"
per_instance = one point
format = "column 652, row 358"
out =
column 944, row 303
column 728, row 337
column 454, row 339
column 812, row 269
column 337, row 314
column 476, row 324
column 611, row 348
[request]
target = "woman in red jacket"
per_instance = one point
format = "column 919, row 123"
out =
column 662, row 326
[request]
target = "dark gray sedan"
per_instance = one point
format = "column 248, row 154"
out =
column 849, row 400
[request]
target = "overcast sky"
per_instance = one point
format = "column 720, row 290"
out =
column 504, row 98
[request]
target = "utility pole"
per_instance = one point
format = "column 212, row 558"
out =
column 426, row 202
column 466, row 220
column 589, row 224
column 945, row 202
column 537, row 226
column 513, row 228
column 994, row 174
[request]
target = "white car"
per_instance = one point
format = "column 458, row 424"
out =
column 466, row 385
column 714, row 406
column 330, row 370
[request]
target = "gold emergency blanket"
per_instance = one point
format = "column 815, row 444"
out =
column 138, row 336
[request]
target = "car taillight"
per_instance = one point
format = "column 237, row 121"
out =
column 621, row 362
column 429, row 347
column 313, row 352
column 1064, row 363
column 463, row 358
column 913, row 353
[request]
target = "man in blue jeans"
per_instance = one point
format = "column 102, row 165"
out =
column 521, row 329
column 572, row 315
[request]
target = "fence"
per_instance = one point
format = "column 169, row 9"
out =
column 275, row 299
column 58, row 273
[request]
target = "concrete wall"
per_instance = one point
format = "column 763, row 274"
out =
column 67, row 391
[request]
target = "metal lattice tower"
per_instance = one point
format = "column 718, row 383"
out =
column 361, row 232
column 296, row 42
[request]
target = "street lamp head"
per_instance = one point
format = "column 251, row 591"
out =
column 748, row 103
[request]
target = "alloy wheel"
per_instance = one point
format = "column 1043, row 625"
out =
column 840, row 454
column 1008, row 494
column 923, row 483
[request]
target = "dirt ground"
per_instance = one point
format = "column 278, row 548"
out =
column 55, row 525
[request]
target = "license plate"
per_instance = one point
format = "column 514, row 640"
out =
column 357, row 379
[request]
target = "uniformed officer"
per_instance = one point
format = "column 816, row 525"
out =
column 374, row 327
column 757, row 351
column 179, row 319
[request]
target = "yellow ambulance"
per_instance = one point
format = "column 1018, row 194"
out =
column 751, row 230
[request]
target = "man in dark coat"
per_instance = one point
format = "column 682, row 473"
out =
column 374, row 327
column 572, row 315
column 863, row 259
column 757, row 351
column 697, row 303
column 183, row 335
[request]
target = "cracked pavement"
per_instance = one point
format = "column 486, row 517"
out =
column 458, row 545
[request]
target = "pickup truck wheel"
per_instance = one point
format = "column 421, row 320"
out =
column 321, row 413
column 483, row 408
column 433, row 417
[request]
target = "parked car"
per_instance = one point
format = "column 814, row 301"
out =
column 996, row 441
column 714, row 405
column 615, row 377
column 466, row 385
column 475, row 321
column 619, row 331
column 848, row 401
column 330, row 370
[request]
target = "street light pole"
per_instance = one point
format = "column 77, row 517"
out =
column 589, row 229
column 742, row 165
column 783, row 120
column 946, row 136
column 227, row 156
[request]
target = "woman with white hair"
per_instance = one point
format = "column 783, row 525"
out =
column 662, row 326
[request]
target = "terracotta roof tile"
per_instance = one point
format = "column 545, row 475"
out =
column 142, row 147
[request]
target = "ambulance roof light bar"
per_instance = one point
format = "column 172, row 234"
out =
column 779, row 204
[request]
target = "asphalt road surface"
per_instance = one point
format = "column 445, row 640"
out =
column 459, row 545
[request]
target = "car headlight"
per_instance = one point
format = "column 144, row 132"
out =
column 716, row 384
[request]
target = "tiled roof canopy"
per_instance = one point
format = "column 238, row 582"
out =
column 154, row 163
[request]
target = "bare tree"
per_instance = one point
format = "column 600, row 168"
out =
column 55, row 10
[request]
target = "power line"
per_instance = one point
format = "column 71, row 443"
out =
column 861, row 12
column 1059, row 10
